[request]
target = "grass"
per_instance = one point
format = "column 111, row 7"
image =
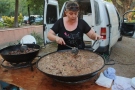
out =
column 38, row 38
column 133, row 21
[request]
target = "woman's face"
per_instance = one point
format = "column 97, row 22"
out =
column 71, row 14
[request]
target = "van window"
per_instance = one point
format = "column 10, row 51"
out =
column 51, row 16
column 97, row 13
column 85, row 8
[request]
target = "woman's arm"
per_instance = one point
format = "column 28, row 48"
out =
column 53, row 37
column 92, row 35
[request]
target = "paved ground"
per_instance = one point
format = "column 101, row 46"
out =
column 123, row 53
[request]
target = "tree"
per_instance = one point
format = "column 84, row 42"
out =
column 123, row 5
column 36, row 6
column 61, row 2
column 16, row 13
column 23, row 7
column 4, row 7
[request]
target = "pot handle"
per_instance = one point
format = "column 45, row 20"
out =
column 96, row 45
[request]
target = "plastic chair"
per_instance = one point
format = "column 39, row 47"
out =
column 28, row 39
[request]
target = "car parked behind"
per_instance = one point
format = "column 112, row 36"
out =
column 38, row 19
column 33, row 19
column 25, row 19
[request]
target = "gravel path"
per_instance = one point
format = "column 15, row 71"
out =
column 123, row 53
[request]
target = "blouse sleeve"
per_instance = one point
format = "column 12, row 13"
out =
column 56, row 26
column 86, row 27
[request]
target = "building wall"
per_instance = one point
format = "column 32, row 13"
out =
column 13, row 34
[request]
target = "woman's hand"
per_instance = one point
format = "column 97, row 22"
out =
column 94, row 36
column 53, row 37
column 60, row 40
column 98, row 37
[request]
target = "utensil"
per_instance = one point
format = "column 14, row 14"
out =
column 23, row 47
column 74, row 49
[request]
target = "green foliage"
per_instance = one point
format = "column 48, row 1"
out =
column 61, row 2
column 9, row 21
column 108, row 0
column 38, row 38
column 133, row 10
column 23, row 7
column 20, row 18
column 132, row 21
column 1, row 24
column 7, row 7
column 36, row 6
column 131, row 16
column 4, row 7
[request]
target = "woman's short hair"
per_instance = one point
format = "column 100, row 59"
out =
column 72, row 6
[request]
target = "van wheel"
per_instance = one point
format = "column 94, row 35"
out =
column 120, row 39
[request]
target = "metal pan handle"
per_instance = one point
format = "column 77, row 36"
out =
column 96, row 45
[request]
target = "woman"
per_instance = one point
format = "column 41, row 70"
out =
column 70, row 29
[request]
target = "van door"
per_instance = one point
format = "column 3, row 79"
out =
column 128, row 24
column 92, row 2
column 113, row 25
column 95, row 25
column 51, row 15
column 90, row 19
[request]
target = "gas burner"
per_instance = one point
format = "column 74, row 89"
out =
column 10, row 65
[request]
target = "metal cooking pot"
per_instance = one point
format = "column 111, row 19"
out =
column 17, row 58
column 70, row 79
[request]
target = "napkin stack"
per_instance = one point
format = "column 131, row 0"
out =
column 104, row 81
column 106, row 78
column 122, row 83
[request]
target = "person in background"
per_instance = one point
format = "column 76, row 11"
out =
column 70, row 29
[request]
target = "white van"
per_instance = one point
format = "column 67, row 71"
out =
column 102, row 16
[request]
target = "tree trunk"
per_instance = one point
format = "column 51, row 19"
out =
column 29, row 13
column 16, row 13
